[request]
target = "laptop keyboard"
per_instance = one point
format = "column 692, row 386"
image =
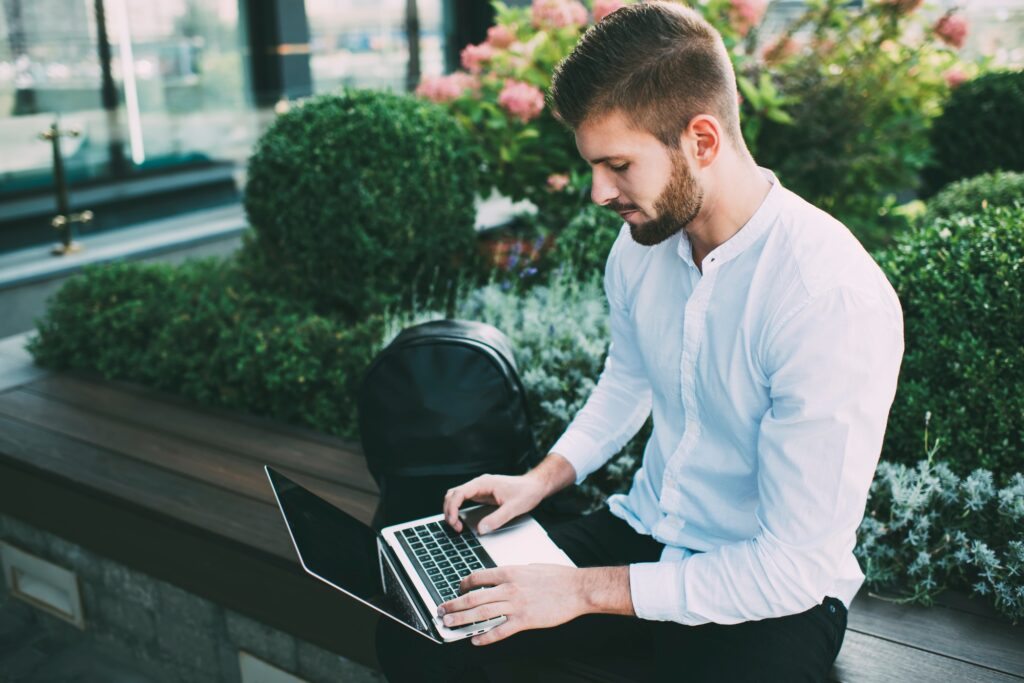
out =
column 442, row 557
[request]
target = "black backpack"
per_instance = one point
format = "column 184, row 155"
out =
column 441, row 404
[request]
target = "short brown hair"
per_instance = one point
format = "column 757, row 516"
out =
column 659, row 63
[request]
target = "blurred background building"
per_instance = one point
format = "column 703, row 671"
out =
column 169, row 97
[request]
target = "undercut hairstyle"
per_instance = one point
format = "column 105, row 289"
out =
column 659, row 63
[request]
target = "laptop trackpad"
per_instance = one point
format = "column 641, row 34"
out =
column 522, row 540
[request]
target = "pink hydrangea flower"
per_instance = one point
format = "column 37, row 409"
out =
column 746, row 14
column 903, row 6
column 952, row 30
column 474, row 57
column 557, row 13
column 954, row 76
column 602, row 8
column 557, row 182
column 499, row 37
column 780, row 50
column 446, row 88
column 521, row 100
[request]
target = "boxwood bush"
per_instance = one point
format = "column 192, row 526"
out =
column 971, row 195
column 360, row 199
column 961, row 283
column 200, row 330
column 980, row 130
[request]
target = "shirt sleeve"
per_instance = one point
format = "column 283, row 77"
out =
column 832, row 370
column 621, row 400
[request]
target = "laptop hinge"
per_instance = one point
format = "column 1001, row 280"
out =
column 411, row 595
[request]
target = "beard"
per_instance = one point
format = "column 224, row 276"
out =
column 677, row 206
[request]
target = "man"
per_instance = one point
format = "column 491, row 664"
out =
column 766, row 343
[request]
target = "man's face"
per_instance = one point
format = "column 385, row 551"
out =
column 648, row 184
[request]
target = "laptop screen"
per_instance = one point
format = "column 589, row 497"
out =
column 339, row 549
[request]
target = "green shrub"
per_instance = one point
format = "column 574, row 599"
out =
column 585, row 242
column 980, row 130
column 976, row 194
column 200, row 330
column 961, row 286
column 856, row 140
column 359, row 200
column 105, row 319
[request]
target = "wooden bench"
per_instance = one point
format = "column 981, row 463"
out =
column 179, row 492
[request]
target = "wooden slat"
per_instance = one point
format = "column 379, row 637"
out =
column 959, row 635
column 202, row 505
column 866, row 659
column 175, row 454
column 261, row 439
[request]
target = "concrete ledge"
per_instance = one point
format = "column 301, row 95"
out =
column 29, row 277
column 35, row 264
column 16, row 365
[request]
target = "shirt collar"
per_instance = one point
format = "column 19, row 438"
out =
column 758, row 224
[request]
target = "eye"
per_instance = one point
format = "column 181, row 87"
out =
column 620, row 168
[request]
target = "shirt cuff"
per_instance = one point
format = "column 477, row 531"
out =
column 580, row 450
column 656, row 589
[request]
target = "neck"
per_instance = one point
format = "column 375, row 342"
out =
column 738, row 189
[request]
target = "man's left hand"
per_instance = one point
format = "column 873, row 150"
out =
column 529, row 596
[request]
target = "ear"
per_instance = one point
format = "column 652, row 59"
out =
column 704, row 137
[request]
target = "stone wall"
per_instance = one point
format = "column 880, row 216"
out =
column 160, row 632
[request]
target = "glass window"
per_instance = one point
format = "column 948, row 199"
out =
column 363, row 44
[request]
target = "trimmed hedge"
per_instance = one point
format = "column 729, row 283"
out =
column 200, row 330
column 976, row 194
column 980, row 130
column 360, row 201
column 961, row 283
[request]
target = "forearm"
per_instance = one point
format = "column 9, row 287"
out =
column 605, row 590
column 553, row 474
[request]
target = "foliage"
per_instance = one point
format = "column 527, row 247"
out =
column 980, row 130
column 927, row 529
column 961, row 284
column 971, row 195
column 500, row 99
column 359, row 200
column 863, row 92
column 585, row 242
column 202, row 331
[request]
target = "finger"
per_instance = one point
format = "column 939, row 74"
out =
column 454, row 499
column 480, row 490
column 497, row 518
column 481, row 613
column 471, row 599
column 497, row 633
column 481, row 578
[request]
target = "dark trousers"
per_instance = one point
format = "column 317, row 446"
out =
column 794, row 648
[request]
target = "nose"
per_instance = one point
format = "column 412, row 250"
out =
column 602, row 188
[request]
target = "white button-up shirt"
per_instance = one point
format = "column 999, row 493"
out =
column 770, row 376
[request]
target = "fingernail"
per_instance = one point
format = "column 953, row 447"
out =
column 484, row 528
column 475, row 641
column 440, row 611
column 448, row 621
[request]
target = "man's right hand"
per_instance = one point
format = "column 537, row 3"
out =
column 513, row 495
